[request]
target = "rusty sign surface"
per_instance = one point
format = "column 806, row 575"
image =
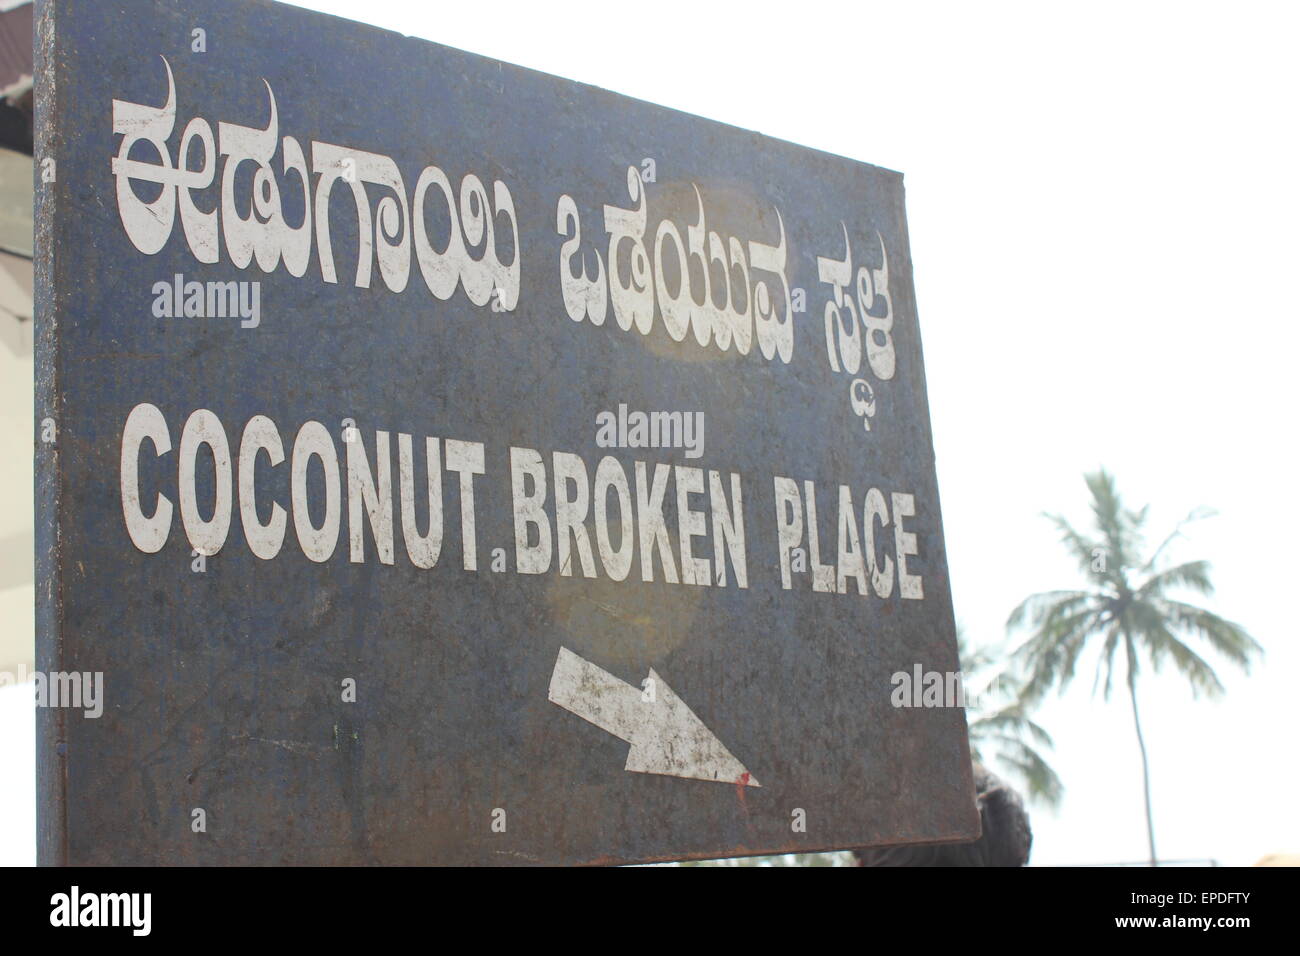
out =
column 445, row 462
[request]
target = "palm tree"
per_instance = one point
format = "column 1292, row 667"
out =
column 1128, row 608
column 1000, row 729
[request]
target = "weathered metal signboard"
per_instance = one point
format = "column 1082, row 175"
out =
column 445, row 462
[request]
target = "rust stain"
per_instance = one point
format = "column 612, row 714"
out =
column 742, row 784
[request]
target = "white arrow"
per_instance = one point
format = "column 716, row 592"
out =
column 665, row 735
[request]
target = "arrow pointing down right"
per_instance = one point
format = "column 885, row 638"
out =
column 666, row 736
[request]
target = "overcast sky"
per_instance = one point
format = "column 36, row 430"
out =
column 1103, row 204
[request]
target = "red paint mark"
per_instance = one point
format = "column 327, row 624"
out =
column 741, row 783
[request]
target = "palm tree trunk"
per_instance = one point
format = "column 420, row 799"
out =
column 1142, row 749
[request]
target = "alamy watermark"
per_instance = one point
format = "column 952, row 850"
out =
column 76, row 690
column 922, row 688
column 128, row 910
column 179, row 299
column 636, row 429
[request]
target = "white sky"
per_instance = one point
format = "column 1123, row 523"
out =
column 1103, row 206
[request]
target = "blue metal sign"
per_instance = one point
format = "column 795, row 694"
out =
column 447, row 462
